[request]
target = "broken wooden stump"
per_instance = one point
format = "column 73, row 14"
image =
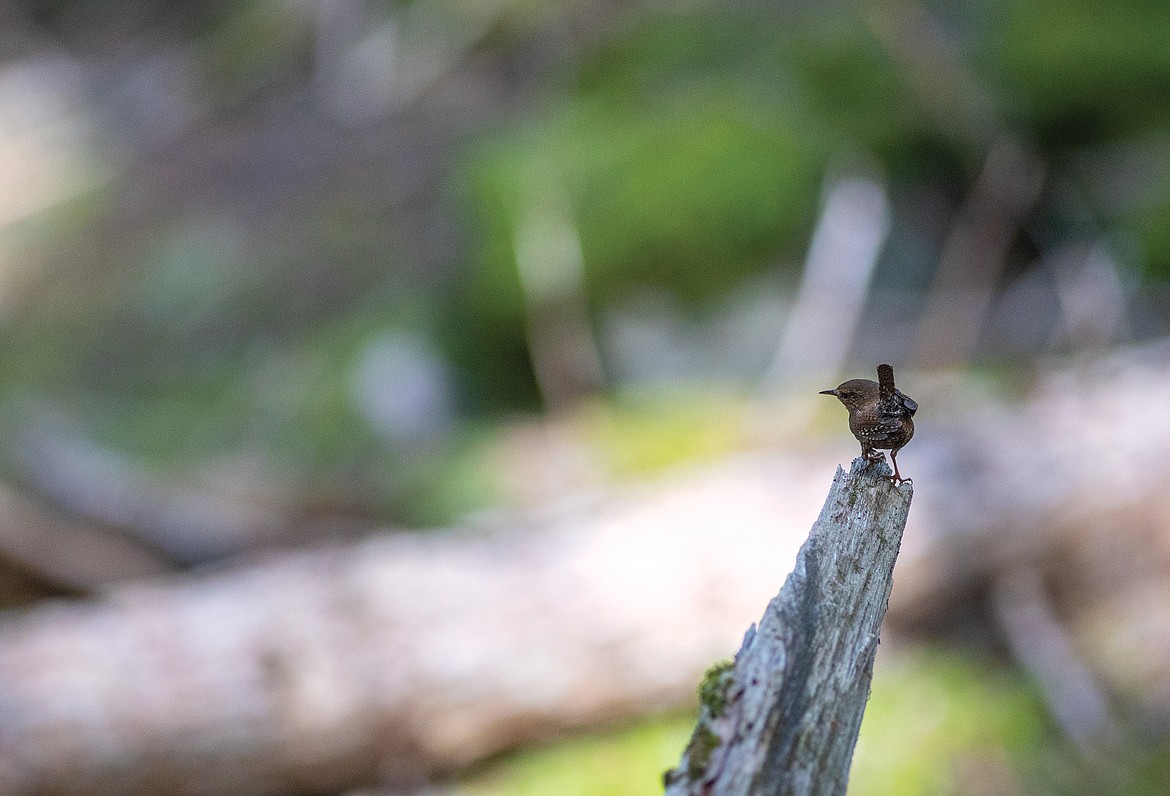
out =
column 783, row 718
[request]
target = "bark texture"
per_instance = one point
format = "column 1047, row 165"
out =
column 785, row 717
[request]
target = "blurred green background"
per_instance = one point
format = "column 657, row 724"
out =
column 325, row 258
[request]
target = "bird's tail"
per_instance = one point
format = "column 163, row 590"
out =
column 885, row 381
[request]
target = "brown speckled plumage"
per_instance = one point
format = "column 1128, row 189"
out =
column 880, row 415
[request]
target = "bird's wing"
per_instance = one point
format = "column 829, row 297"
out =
column 908, row 403
column 881, row 427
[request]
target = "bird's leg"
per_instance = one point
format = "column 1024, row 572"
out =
column 871, row 454
column 897, row 476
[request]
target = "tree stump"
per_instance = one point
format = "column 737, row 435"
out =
column 783, row 718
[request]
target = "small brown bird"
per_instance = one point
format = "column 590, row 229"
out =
column 879, row 415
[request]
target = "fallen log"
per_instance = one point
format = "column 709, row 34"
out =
column 397, row 657
column 404, row 655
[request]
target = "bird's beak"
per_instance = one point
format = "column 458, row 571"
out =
column 827, row 392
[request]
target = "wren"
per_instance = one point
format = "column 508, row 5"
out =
column 880, row 416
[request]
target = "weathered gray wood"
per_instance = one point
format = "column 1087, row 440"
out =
column 784, row 718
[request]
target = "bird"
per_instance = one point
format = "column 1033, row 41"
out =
column 880, row 416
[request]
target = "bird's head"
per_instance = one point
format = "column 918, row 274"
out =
column 855, row 393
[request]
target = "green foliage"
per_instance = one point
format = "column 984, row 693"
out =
column 636, row 435
column 691, row 198
column 258, row 43
column 683, row 147
column 1155, row 238
column 628, row 761
column 626, row 438
column 673, row 159
column 692, row 193
column 936, row 723
column 1079, row 72
column 853, row 84
column 939, row 722
column 713, row 689
column 704, row 741
column 932, row 715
